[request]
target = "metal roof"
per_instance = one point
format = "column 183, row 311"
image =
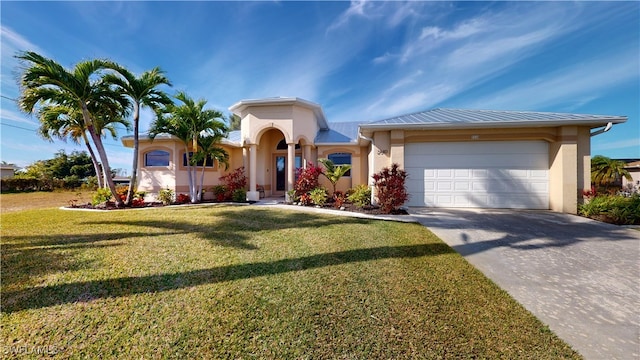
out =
column 234, row 136
column 338, row 133
column 466, row 118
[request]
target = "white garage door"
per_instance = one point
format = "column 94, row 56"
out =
column 488, row 174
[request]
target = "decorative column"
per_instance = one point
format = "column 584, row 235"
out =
column 291, row 166
column 253, row 195
column 306, row 152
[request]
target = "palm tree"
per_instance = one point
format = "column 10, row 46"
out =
column 209, row 149
column 62, row 122
column 141, row 91
column 606, row 171
column 188, row 122
column 234, row 122
column 45, row 82
column 333, row 172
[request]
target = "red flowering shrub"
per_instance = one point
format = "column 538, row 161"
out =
column 390, row 189
column 305, row 199
column 339, row 199
column 122, row 190
column 233, row 181
column 183, row 199
column 307, row 179
column 219, row 192
column 589, row 194
column 137, row 202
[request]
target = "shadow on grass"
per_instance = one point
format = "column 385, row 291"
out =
column 32, row 256
column 40, row 297
column 233, row 228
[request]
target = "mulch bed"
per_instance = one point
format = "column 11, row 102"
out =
column 110, row 205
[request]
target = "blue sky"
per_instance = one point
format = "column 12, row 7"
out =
column 361, row 61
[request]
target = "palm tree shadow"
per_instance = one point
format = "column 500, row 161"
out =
column 39, row 297
column 233, row 229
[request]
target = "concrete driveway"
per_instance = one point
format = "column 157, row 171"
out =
column 580, row 277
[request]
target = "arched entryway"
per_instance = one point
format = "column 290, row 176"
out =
column 280, row 169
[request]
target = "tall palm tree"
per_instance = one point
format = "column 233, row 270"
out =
column 63, row 122
column 141, row 91
column 208, row 145
column 606, row 171
column 45, row 82
column 188, row 122
column 333, row 172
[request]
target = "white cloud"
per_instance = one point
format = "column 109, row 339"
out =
column 356, row 9
column 579, row 84
column 12, row 41
column 618, row 144
column 462, row 56
column 16, row 117
column 461, row 31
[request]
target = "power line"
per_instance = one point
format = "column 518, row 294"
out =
column 34, row 130
column 8, row 98
column 18, row 127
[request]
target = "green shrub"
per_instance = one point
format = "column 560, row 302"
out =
column 615, row 209
column 291, row 196
column 101, row 196
column 360, row 196
column 318, row 196
column 240, row 195
column 166, row 196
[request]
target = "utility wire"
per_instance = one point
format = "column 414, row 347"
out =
column 34, row 130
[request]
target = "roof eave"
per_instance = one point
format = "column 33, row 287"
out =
column 501, row 124
column 241, row 105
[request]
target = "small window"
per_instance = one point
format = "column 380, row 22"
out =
column 282, row 145
column 341, row 159
column 156, row 158
column 209, row 162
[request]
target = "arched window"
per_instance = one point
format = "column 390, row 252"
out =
column 156, row 158
column 341, row 159
column 282, row 145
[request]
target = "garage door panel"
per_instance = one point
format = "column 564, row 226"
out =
column 482, row 174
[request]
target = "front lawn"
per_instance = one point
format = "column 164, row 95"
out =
column 249, row 282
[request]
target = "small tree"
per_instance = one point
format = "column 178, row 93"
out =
column 607, row 172
column 333, row 172
column 390, row 188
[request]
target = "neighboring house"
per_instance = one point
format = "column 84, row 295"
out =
column 454, row 158
column 7, row 171
column 633, row 167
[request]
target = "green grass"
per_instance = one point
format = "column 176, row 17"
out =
column 10, row 202
column 249, row 282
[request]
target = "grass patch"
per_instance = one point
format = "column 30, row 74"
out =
column 10, row 202
column 244, row 282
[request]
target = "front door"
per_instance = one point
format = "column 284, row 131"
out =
column 281, row 173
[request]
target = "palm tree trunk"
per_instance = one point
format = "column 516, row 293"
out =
column 136, row 149
column 94, row 160
column 201, row 180
column 97, row 141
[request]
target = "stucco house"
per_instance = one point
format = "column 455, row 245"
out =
column 7, row 171
column 633, row 167
column 454, row 157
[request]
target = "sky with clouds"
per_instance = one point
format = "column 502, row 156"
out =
column 361, row 60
